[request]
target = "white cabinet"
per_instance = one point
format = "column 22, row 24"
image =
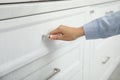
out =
column 104, row 54
column 26, row 55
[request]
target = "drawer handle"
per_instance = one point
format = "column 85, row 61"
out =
column 45, row 36
column 56, row 71
column 109, row 12
column 107, row 59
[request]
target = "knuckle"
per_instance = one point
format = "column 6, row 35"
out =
column 61, row 26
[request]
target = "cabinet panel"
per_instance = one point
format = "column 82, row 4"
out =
column 22, row 39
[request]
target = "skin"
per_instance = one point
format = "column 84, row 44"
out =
column 66, row 33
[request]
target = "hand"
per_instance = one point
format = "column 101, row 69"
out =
column 66, row 33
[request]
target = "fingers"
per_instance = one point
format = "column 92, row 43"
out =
column 56, row 37
column 63, row 33
column 56, row 34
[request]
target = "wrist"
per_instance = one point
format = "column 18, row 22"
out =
column 80, row 31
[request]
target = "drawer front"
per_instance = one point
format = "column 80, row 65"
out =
column 21, row 39
column 104, row 9
column 22, row 10
column 33, row 7
column 106, row 56
column 39, row 63
column 64, row 65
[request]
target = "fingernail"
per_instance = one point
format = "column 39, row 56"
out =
column 51, row 36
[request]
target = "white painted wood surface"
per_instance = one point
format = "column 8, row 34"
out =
column 101, row 49
column 64, row 63
column 25, row 55
column 20, row 10
column 21, row 39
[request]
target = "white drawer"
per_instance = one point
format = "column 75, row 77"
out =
column 103, row 9
column 105, row 58
column 35, row 65
column 66, row 63
column 21, row 39
column 26, row 9
column 34, row 7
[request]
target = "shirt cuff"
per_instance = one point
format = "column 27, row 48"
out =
column 91, row 30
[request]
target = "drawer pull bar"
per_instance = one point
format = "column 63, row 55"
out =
column 92, row 11
column 56, row 70
column 104, row 62
column 45, row 36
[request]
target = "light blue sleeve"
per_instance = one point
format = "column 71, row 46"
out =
column 103, row 27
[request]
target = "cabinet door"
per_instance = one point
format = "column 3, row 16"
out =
column 104, row 53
